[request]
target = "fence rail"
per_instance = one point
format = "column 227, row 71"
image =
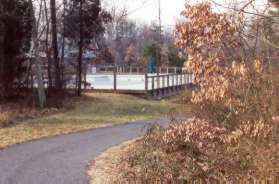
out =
column 167, row 82
column 131, row 69
column 159, row 86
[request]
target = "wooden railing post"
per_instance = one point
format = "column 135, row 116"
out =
column 168, row 80
column 146, row 82
column 164, row 81
column 159, row 82
column 115, row 79
column 176, row 80
column 153, row 83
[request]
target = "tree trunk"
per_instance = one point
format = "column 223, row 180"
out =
column 55, row 45
column 28, row 73
column 84, row 76
column 38, row 70
column 2, row 33
column 63, row 40
column 39, row 76
column 49, row 61
column 79, row 68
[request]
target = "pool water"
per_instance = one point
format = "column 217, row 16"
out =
column 131, row 81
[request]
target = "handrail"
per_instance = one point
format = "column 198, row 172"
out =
column 167, row 80
column 136, row 69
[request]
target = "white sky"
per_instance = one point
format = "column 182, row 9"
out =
column 171, row 9
column 149, row 11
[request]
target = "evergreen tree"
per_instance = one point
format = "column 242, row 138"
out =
column 84, row 21
column 15, row 39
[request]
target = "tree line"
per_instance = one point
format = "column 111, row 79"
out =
column 37, row 35
column 26, row 24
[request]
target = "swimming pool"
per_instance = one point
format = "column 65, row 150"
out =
column 132, row 81
column 123, row 82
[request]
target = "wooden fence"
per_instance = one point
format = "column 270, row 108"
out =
column 158, row 86
column 131, row 69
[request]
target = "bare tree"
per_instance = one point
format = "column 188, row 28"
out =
column 121, row 31
column 131, row 55
column 80, row 48
column 1, row 49
column 35, row 54
column 48, row 54
column 65, row 4
column 54, row 44
column 159, row 62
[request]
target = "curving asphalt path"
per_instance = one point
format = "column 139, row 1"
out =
column 63, row 159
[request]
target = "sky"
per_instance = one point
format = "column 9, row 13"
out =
column 170, row 10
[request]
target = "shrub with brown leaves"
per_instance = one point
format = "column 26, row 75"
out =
column 194, row 131
column 235, row 134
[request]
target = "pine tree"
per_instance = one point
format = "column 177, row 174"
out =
column 15, row 39
column 84, row 21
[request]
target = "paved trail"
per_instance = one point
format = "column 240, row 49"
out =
column 63, row 159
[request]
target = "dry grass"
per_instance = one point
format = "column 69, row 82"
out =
column 199, row 151
column 92, row 111
column 4, row 119
column 105, row 168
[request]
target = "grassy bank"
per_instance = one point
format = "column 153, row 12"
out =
column 106, row 168
column 91, row 111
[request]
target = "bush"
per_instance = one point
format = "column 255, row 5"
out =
column 198, row 150
column 235, row 133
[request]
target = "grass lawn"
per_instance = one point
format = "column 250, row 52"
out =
column 91, row 111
